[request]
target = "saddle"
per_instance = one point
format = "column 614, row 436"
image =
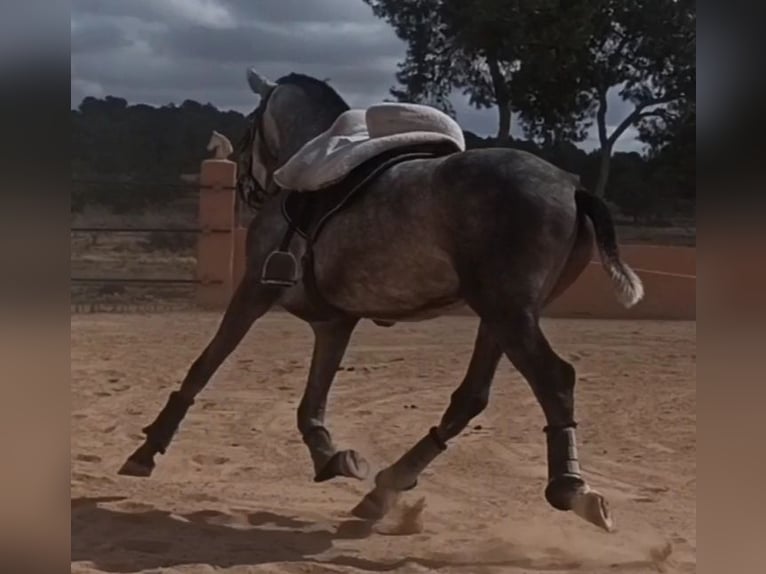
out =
column 308, row 213
column 360, row 135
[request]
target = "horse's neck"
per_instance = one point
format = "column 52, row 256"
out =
column 293, row 139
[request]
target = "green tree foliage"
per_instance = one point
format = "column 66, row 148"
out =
column 479, row 47
column 141, row 141
column 551, row 62
column 672, row 160
column 114, row 141
column 425, row 76
column 645, row 49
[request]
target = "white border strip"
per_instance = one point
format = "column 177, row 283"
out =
column 655, row 272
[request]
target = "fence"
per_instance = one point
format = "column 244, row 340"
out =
column 668, row 272
column 215, row 231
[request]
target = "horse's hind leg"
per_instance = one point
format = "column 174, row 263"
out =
column 468, row 400
column 330, row 343
column 552, row 380
column 249, row 302
column 579, row 257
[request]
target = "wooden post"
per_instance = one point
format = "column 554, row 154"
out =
column 215, row 245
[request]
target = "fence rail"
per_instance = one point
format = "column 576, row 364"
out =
column 216, row 223
column 147, row 280
column 148, row 230
column 219, row 231
column 191, row 187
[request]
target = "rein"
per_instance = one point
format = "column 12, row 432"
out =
column 256, row 193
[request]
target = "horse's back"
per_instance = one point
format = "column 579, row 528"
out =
column 496, row 165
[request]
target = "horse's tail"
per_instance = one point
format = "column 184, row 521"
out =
column 630, row 290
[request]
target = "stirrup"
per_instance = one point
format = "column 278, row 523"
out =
column 280, row 269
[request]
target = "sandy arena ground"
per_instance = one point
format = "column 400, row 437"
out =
column 235, row 493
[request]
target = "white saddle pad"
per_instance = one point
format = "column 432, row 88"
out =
column 358, row 135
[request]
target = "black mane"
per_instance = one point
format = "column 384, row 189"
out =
column 317, row 89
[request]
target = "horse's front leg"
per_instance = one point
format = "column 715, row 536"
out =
column 249, row 302
column 468, row 400
column 330, row 343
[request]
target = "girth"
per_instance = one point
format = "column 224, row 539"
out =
column 307, row 213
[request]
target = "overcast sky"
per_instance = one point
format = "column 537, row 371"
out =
column 163, row 51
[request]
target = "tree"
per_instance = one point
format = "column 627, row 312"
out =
column 644, row 48
column 477, row 46
column 672, row 158
column 114, row 143
column 424, row 75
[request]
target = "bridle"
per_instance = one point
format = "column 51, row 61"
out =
column 249, row 188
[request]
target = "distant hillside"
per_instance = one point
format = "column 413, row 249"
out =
column 113, row 140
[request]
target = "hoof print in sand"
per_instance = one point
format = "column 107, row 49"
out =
column 210, row 459
column 88, row 458
column 146, row 546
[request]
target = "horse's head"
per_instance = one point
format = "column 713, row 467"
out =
column 291, row 111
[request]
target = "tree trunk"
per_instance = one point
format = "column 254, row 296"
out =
column 503, row 99
column 504, row 127
column 607, row 142
column 603, row 170
column 606, row 146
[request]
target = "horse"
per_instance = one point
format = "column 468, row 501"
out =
column 498, row 230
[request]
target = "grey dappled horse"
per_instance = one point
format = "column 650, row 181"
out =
column 500, row 230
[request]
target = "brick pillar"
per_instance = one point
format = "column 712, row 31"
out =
column 215, row 244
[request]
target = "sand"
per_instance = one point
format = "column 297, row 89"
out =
column 235, row 492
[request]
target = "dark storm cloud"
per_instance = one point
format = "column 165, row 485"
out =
column 99, row 38
column 170, row 50
column 299, row 11
column 318, row 46
column 31, row 30
column 147, row 51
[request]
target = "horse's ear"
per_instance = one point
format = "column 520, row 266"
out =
column 258, row 83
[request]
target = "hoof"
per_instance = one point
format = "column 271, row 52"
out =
column 593, row 507
column 561, row 491
column 376, row 504
column 344, row 463
column 134, row 468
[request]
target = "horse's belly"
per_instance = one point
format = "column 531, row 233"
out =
column 388, row 254
column 424, row 314
column 391, row 280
